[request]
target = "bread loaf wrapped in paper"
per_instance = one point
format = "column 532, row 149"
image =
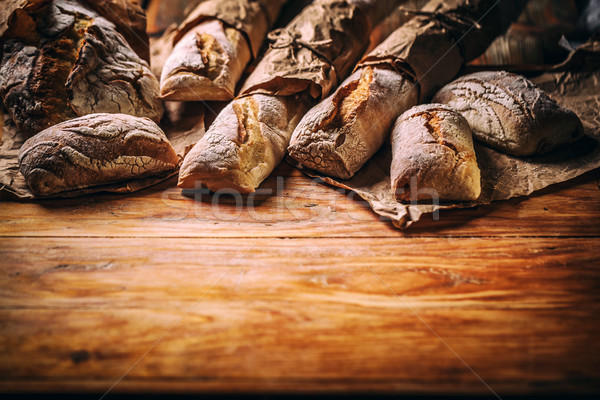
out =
column 62, row 59
column 95, row 149
column 341, row 133
column 213, row 46
column 305, row 61
column 510, row 114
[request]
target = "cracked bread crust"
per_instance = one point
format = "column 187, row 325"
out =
column 433, row 156
column 244, row 144
column 92, row 150
column 342, row 132
column 510, row 114
column 109, row 77
column 60, row 61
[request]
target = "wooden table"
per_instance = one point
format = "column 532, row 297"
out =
column 305, row 291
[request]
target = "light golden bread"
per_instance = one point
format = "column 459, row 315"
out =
column 244, row 144
column 433, row 156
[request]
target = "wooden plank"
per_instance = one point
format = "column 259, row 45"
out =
column 293, row 205
column 87, row 272
column 403, row 315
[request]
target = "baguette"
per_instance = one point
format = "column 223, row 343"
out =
column 424, row 53
column 305, row 60
column 433, row 156
column 213, row 46
column 243, row 145
column 368, row 101
column 93, row 150
column 510, row 114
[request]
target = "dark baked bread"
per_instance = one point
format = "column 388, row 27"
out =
column 61, row 60
column 433, row 156
column 92, row 150
column 509, row 113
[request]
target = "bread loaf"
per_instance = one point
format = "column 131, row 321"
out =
column 244, row 144
column 339, row 134
column 213, row 46
column 61, row 60
column 205, row 64
column 92, row 150
column 510, row 114
column 433, row 156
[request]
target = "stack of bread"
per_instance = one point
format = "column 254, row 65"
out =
column 79, row 83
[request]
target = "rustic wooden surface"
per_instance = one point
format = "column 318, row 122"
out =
column 307, row 291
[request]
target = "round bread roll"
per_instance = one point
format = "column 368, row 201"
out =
column 510, row 113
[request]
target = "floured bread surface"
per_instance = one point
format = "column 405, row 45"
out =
column 205, row 64
column 433, row 156
column 244, row 144
column 342, row 132
column 509, row 113
column 92, row 150
column 108, row 76
column 61, row 60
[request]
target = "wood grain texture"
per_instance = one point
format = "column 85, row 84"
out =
column 406, row 315
column 292, row 205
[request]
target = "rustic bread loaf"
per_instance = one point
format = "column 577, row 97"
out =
column 336, row 136
column 244, row 144
column 510, row 114
column 92, row 150
column 213, row 46
column 61, row 60
column 433, row 156
column 205, row 64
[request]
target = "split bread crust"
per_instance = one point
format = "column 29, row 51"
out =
column 338, row 135
column 213, row 46
column 245, row 143
column 433, row 156
column 205, row 64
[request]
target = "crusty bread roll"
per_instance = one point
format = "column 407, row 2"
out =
column 92, row 150
column 213, row 46
column 61, row 60
column 510, row 114
column 433, row 156
column 205, row 64
column 244, row 144
column 334, row 136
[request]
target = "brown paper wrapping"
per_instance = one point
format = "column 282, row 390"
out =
column 253, row 18
column 504, row 176
column 432, row 47
column 8, row 7
column 317, row 49
column 162, row 14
